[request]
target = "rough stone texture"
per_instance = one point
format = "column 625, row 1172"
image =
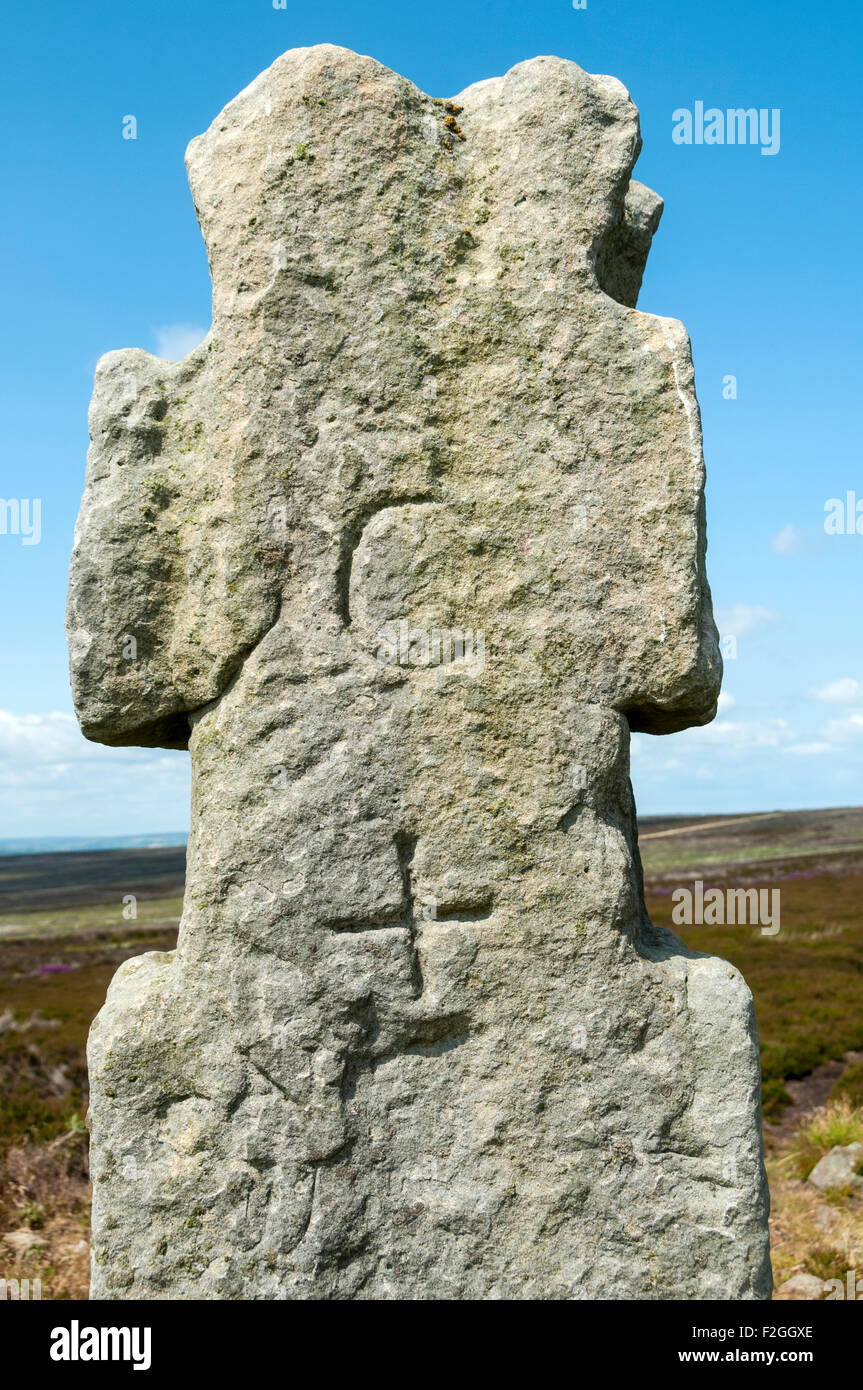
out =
column 802, row 1287
column 419, row 1038
column 839, row 1168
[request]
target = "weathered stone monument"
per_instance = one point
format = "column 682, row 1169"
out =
column 402, row 553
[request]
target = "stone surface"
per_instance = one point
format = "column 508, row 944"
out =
column 839, row 1168
column 804, row 1287
column 402, row 552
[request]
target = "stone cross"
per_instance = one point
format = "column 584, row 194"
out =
column 401, row 553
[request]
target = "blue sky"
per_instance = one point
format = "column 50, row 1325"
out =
column 755, row 254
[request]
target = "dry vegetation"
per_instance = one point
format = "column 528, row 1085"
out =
column 55, row 966
column 807, row 983
column 812, row 1232
column 45, row 1213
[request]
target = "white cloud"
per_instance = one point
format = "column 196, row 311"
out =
column 788, row 541
column 56, row 782
column 842, row 729
column 846, row 691
column 733, row 737
column 725, row 702
column 174, row 341
column 40, row 738
column 742, row 619
column 740, row 736
column 753, row 762
column 740, row 739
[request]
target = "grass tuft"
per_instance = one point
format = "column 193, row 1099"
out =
column 839, row 1122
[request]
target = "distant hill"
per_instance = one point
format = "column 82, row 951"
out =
column 66, row 844
column 39, row 882
column 765, row 845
